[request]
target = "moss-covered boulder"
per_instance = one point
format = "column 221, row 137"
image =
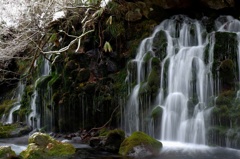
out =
column 108, row 140
column 141, row 145
column 13, row 130
column 43, row 146
column 6, row 152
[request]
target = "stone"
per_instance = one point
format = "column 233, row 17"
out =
column 141, row 145
column 6, row 152
column 44, row 146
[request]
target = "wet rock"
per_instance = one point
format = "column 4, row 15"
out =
column 6, row 152
column 43, row 146
column 139, row 145
column 110, row 143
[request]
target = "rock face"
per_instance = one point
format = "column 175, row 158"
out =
column 140, row 145
column 43, row 146
column 6, row 152
column 218, row 4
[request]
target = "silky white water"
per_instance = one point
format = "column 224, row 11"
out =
column 186, row 80
column 34, row 118
column 16, row 106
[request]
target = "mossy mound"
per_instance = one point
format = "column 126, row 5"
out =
column 6, row 130
column 139, row 140
column 6, row 152
column 43, row 146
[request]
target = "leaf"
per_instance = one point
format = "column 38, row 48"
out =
column 109, row 21
column 107, row 47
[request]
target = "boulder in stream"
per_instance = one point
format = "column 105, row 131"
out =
column 140, row 145
column 43, row 146
column 6, row 152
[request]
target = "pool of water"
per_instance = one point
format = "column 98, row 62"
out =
column 170, row 150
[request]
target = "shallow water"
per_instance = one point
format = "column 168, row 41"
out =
column 170, row 150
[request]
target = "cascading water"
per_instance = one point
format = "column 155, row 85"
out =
column 16, row 105
column 187, row 88
column 34, row 118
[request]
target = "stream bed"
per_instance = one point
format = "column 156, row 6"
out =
column 170, row 150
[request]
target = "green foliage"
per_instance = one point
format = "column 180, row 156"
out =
column 115, row 28
column 103, row 132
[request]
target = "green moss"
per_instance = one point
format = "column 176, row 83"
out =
column 103, row 132
column 5, row 130
column 6, row 105
column 55, row 81
column 6, row 152
column 147, row 57
column 43, row 146
column 155, row 63
column 153, row 82
column 43, row 81
column 226, row 98
column 160, row 44
column 140, row 138
column 156, row 112
column 120, row 132
column 53, row 38
column 61, row 149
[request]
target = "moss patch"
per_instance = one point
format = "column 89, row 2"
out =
column 43, row 146
column 6, row 152
column 139, row 138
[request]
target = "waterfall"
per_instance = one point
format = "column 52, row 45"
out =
column 37, row 114
column 16, row 105
column 187, row 86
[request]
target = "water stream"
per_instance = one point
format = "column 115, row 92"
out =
column 188, row 87
column 18, row 95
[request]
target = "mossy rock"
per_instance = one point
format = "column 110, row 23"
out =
column 114, row 139
column 140, row 139
column 7, row 129
column 6, row 152
column 43, row 146
column 226, row 98
column 157, row 112
column 160, row 44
